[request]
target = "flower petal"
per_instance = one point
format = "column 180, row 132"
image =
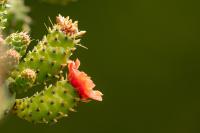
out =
column 82, row 82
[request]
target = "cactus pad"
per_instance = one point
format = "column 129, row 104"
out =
column 48, row 58
column 49, row 105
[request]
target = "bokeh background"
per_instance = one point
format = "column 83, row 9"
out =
column 143, row 55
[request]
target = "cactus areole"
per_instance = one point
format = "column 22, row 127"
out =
column 47, row 68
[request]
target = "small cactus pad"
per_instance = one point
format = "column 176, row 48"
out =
column 48, row 106
column 29, row 74
column 26, row 78
column 12, row 58
column 9, row 59
column 19, row 42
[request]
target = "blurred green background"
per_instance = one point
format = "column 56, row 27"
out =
column 143, row 55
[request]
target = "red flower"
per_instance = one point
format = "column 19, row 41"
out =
column 82, row 82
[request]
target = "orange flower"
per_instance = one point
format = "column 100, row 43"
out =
column 82, row 82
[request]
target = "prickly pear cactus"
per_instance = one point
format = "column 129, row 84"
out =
column 46, row 68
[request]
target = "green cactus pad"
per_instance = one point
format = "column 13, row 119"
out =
column 48, row 106
column 47, row 59
column 18, row 41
